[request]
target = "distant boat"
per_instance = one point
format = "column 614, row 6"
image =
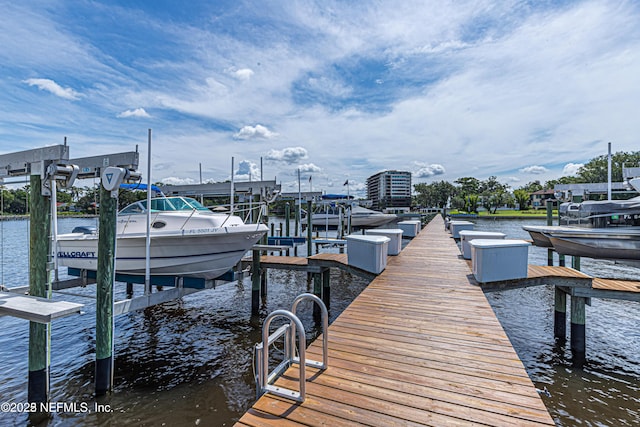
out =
column 608, row 229
column 599, row 243
column 332, row 214
column 186, row 239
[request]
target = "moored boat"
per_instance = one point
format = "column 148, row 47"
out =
column 186, row 239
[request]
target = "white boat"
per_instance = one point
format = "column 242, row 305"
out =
column 360, row 217
column 608, row 229
column 601, row 243
column 539, row 233
column 187, row 239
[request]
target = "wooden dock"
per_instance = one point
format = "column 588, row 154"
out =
column 313, row 264
column 419, row 346
column 574, row 282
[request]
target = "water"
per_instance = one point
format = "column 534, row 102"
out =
column 190, row 362
column 606, row 391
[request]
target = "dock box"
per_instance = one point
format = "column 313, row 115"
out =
column 457, row 226
column 496, row 260
column 409, row 228
column 467, row 235
column 368, row 253
column 395, row 236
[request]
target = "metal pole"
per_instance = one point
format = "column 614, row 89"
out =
column 609, row 174
column 232, row 189
column 147, row 260
column 201, row 195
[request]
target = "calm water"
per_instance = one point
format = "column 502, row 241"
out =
column 190, row 362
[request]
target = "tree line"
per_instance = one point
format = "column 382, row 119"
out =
column 466, row 193
column 77, row 200
column 469, row 193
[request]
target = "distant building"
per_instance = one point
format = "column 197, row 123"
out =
column 540, row 198
column 389, row 189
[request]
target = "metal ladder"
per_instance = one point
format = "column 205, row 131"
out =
column 264, row 378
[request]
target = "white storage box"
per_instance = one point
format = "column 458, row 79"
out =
column 409, row 228
column 394, row 235
column 457, row 226
column 467, row 235
column 495, row 260
column 368, row 253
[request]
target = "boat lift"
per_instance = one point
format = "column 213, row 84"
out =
column 46, row 167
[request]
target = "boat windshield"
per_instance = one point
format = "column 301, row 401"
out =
column 164, row 204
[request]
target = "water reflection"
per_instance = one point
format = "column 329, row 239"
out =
column 190, row 362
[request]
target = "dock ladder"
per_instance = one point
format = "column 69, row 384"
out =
column 264, row 378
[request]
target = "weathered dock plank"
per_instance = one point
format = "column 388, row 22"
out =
column 420, row 346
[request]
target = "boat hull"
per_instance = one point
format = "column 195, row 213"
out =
column 539, row 233
column 207, row 254
column 598, row 245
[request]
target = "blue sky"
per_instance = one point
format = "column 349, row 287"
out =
column 523, row 90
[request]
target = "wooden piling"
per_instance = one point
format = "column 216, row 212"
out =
column 578, row 334
column 326, row 287
column 39, row 349
column 287, row 214
column 560, row 314
column 263, row 284
column 287, row 222
column 255, row 282
column 575, row 263
column 549, row 222
column 309, row 228
column 105, row 276
column 317, row 291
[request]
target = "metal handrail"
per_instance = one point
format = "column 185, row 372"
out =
column 262, row 351
column 264, row 378
column 325, row 327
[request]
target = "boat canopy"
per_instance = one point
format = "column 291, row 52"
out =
column 142, row 187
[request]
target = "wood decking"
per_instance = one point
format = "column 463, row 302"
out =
column 419, row 346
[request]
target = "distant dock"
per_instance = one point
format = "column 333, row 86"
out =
column 420, row 346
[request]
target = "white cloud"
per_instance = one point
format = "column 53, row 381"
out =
column 513, row 179
column 173, row 180
column 138, row 112
column 426, row 170
column 309, row 168
column 243, row 74
column 570, row 169
column 247, row 171
column 53, row 87
column 254, row 132
column 288, row 155
column 534, row 170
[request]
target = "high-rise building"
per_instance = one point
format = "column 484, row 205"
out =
column 389, row 189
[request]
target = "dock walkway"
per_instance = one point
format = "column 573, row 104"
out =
column 419, row 346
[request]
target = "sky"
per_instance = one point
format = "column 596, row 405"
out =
column 340, row 90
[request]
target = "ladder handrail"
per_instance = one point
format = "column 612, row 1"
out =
column 264, row 378
column 325, row 327
column 264, row 362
